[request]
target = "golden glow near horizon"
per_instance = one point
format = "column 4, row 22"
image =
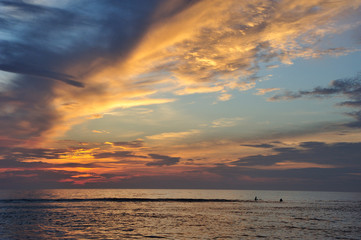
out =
column 205, row 91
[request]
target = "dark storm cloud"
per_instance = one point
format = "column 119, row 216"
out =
column 342, row 154
column 39, row 44
column 162, row 160
column 349, row 88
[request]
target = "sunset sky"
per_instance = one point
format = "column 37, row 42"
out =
column 223, row 94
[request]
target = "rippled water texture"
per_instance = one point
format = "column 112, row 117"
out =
column 172, row 214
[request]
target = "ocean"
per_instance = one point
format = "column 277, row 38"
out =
column 178, row 214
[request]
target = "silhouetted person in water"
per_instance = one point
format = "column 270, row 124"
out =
column 281, row 200
column 255, row 198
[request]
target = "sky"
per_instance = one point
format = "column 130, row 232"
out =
column 215, row 94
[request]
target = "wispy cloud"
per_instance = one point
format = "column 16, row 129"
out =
column 262, row 145
column 173, row 135
column 199, row 89
column 263, row 91
column 99, row 131
column 226, row 122
column 224, row 97
column 131, row 144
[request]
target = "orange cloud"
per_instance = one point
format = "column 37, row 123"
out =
column 209, row 46
column 263, row 91
column 173, row 135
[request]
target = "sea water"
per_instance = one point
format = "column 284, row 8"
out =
column 178, row 214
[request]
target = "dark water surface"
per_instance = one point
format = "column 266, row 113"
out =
column 178, row 214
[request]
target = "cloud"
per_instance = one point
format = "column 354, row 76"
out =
column 305, row 166
column 60, row 42
column 12, row 163
column 131, row 144
column 32, row 153
column 162, row 160
column 199, row 89
column 117, row 155
column 16, row 164
column 263, row 91
column 224, row 97
column 121, row 54
column 34, row 179
column 33, row 71
column 350, row 88
column 262, row 145
column 96, row 116
column 340, row 154
column 242, row 36
column 101, row 131
column 226, row 122
column 272, row 66
column 173, row 135
column 42, row 158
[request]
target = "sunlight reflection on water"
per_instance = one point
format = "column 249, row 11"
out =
column 313, row 215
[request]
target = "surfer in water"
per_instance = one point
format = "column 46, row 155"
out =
column 255, row 198
column 281, row 200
